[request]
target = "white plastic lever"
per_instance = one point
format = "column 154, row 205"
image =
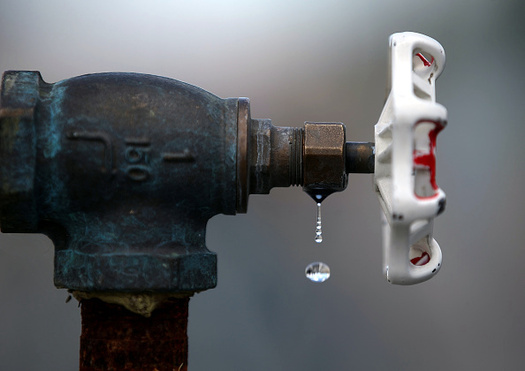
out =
column 405, row 162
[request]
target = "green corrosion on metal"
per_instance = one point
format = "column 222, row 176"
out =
column 122, row 171
column 9, row 131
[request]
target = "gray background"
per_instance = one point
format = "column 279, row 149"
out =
column 307, row 61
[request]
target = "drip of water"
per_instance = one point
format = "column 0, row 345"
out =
column 318, row 227
column 317, row 272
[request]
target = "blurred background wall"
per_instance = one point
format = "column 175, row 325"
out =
column 307, row 61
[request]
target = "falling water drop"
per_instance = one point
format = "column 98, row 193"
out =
column 318, row 227
column 317, row 272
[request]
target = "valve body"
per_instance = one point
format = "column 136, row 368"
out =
column 122, row 171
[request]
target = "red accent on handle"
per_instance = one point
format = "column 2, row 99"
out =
column 428, row 159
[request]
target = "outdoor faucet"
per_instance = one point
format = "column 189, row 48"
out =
column 123, row 171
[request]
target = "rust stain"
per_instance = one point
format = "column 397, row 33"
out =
column 114, row 338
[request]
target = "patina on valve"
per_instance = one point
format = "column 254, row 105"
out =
column 122, row 172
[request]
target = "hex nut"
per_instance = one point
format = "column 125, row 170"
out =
column 324, row 157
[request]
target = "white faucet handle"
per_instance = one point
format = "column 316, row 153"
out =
column 405, row 162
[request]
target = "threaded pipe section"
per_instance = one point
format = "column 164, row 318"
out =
column 296, row 156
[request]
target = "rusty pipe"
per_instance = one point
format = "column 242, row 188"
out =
column 114, row 338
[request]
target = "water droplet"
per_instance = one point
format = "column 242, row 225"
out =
column 318, row 227
column 317, row 272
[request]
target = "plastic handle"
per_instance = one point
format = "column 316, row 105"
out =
column 405, row 162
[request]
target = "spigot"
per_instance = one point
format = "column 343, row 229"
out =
column 122, row 171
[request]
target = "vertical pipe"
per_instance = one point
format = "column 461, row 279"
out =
column 114, row 338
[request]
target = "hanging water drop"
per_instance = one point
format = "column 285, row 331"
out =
column 318, row 227
column 317, row 272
